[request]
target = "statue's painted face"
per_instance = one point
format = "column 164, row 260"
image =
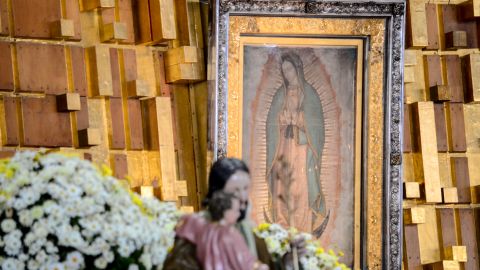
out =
column 289, row 72
column 231, row 215
column 239, row 185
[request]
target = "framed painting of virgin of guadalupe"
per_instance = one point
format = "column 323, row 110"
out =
column 310, row 97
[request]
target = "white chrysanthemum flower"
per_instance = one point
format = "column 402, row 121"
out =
column 75, row 260
column 9, row 264
column 8, row 225
column 101, row 263
column 56, row 266
column 33, row 265
column 13, row 243
column 133, row 267
column 146, row 260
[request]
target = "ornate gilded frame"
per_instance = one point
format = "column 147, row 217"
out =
column 382, row 23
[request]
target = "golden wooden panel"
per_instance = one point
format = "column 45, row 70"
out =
column 450, row 195
column 471, row 63
column 33, row 18
column 416, row 24
column 162, row 110
column 415, row 92
column 414, row 215
column 146, row 69
column 136, row 169
column 96, row 4
column 35, row 79
column 115, row 31
column 428, row 235
column 138, row 88
column 182, row 55
column 456, row 40
column 456, row 127
column 3, row 17
column 162, row 15
column 445, row 170
column 63, row 29
column 409, row 74
column 38, row 113
column 68, row 102
column 100, row 74
column 6, row 74
column 189, row 12
column 440, row 93
column 185, row 73
column 89, row 137
column 456, row 253
column 444, row 265
column 411, row 190
column 408, row 168
column 472, row 127
column 410, row 58
column 427, row 145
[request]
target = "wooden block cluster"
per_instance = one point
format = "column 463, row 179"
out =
column 446, row 36
column 156, row 21
column 184, row 65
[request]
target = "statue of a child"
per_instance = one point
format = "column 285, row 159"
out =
column 219, row 244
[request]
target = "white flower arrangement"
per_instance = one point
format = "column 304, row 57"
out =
column 59, row 212
column 278, row 241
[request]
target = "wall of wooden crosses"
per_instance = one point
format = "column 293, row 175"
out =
column 117, row 82
column 442, row 135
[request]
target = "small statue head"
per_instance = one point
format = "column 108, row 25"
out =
column 230, row 175
column 224, row 207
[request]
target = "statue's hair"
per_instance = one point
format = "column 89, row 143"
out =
column 219, row 203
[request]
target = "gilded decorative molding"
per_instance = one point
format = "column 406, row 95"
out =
column 385, row 97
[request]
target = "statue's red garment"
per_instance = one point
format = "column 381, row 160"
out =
column 219, row 247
